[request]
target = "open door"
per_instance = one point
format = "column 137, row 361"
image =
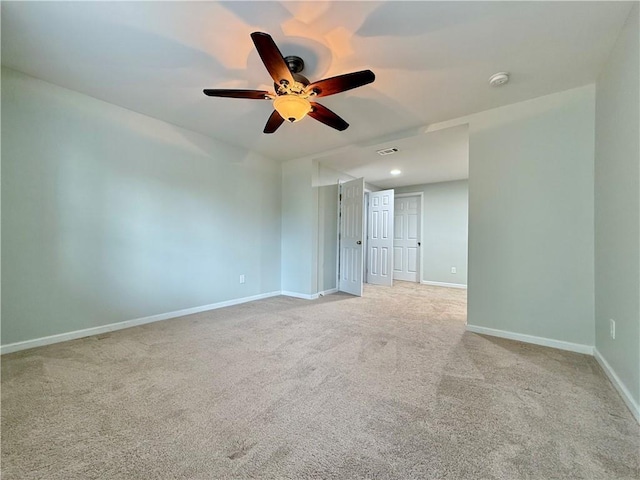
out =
column 350, row 237
column 406, row 241
column 380, row 238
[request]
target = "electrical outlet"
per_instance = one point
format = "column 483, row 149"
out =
column 612, row 328
column 241, row 278
column 454, row 270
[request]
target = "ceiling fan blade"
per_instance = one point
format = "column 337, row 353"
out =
column 326, row 116
column 253, row 94
column 341, row 83
column 271, row 57
column 274, row 122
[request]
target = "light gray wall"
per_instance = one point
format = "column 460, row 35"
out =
column 299, row 227
column 444, row 230
column 109, row 215
column 327, row 237
column 617, row 208
column 326, row 184
column 531, row 234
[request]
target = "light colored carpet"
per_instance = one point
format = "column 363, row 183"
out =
column 385, row 386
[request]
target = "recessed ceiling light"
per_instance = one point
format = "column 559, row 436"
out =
column 395, row 172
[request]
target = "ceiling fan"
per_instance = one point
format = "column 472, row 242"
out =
column 294, row 94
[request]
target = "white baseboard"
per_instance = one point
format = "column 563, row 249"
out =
column 63, row 337
column 304, row 296
column 633, row 406
column 443, row 284
column 545, row 342
column 309, row 296
column 328, row 292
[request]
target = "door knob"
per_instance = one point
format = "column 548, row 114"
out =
column 359, row 242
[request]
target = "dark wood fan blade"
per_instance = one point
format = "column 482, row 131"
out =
column 274, row 122
column 326, row 116
column 253, row 94
column 271, row 57
column 341, row 83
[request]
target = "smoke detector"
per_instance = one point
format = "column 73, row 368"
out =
column 387, row 151
column 498, row 79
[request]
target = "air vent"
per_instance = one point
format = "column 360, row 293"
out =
column 387, row 151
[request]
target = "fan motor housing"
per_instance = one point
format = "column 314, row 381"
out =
column 295, row 64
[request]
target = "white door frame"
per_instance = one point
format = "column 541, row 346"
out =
column 365, row 240
column 420, row 231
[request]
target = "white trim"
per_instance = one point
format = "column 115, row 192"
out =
column 631, row 404
column 545, row 342
column 87, row 332
column 328, row 292
column 408, row 194
column 443, row 284
column 338, row 210
column 309, row 296
column 304, row 296
column 365, row 238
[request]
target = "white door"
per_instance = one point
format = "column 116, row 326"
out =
column 350, row 243
column 406, row 254
column 380, row 238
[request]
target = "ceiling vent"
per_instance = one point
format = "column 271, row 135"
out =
column 387, row 151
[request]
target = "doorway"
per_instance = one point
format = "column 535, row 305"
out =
column 429, row 245
column 392, row 244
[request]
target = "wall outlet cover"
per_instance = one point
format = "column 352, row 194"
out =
column 612, row 328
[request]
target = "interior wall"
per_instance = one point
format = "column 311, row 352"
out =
column 531, row 233
column 326, row 185
column 444, row 230
column 617, row 208
column 327, row 237
column 109, row 215
column 299, row 227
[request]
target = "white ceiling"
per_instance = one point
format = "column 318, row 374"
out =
column 438, row 156
column 431, row 59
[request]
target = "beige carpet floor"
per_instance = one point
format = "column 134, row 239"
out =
column 384, row 386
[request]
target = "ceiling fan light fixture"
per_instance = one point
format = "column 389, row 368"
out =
column 292, row 90
column 292, row 107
